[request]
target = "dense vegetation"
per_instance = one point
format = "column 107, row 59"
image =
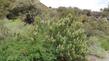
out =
column 56, row 34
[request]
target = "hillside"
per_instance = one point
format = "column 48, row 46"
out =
column 31, row 31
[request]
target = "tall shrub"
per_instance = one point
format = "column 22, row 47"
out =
column 68, row 39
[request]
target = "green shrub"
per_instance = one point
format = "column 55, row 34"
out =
column 46, row 41
column 69, row 39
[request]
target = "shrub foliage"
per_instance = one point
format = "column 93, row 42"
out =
column 62, row 40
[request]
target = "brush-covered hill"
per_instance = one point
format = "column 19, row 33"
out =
column 15, row 8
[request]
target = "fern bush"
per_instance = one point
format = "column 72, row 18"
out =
column 62, row 40
column 68, row 39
